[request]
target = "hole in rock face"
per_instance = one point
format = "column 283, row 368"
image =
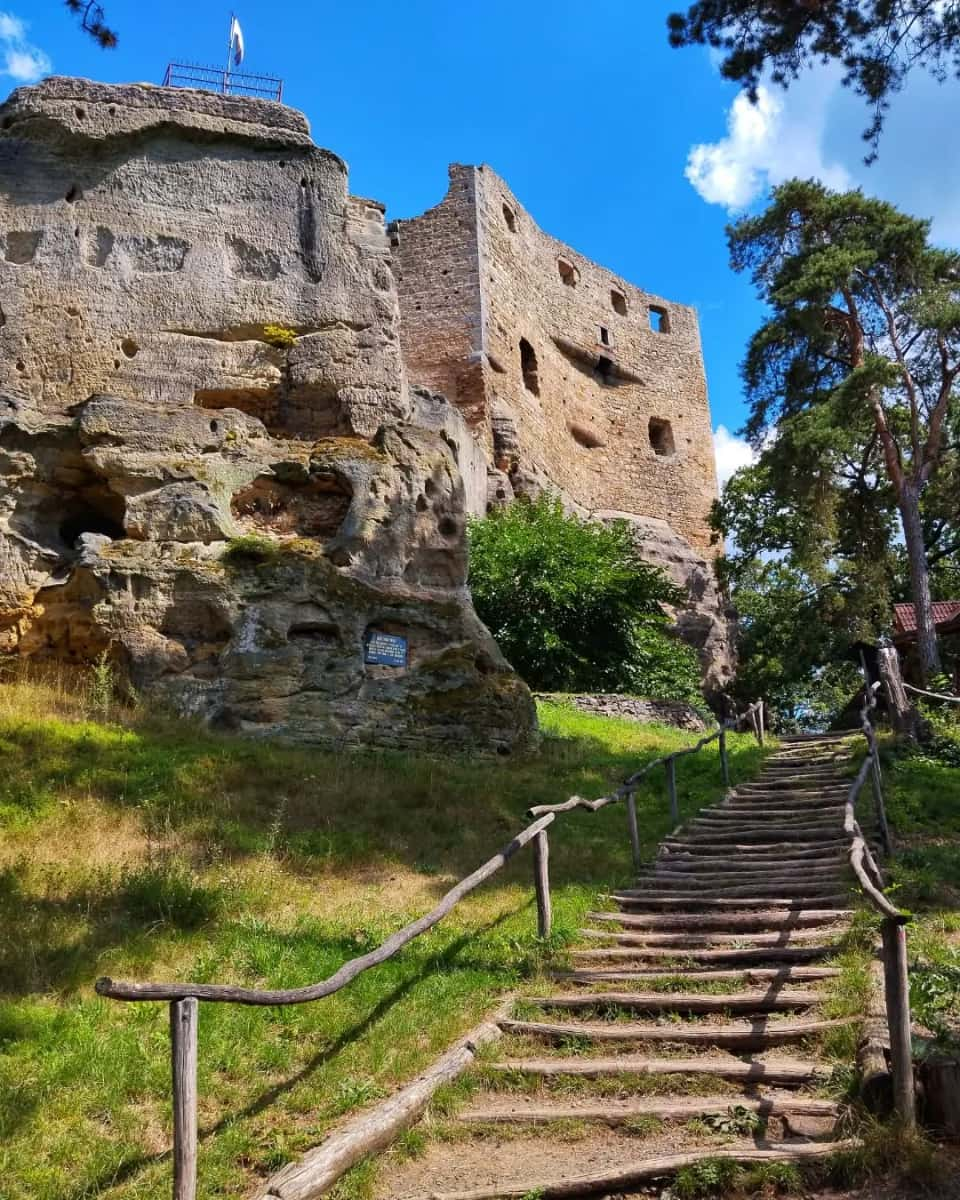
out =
column 619, row 302
column 315, row 509
column 86, row 519
column 262, row 403
column 129, row 347
column 73, row 195
column 509, row 218
column 448, row 527
column 321, row 633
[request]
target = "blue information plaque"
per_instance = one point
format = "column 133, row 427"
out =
column 386, row 649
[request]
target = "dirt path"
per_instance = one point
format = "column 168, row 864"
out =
column 690, row 1025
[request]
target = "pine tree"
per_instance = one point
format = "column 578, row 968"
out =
column 863, row 334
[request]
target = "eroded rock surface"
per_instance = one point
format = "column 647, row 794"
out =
column 228, row 512
column 706, row 622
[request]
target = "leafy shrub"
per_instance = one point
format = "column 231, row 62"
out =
column 279, row 336
column 709, row 1177
column 572, row 605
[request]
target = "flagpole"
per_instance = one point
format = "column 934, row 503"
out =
column 226, row 73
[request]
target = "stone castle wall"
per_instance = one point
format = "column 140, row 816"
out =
column 570, row 379
column 600, row 404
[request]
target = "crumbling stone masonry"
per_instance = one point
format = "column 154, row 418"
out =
column 570, row 378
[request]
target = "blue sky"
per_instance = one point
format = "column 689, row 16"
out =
column 635, row 154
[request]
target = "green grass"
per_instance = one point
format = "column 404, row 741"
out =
column 144, row 848
column 923, row 805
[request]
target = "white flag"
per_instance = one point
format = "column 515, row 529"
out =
column 236, row 41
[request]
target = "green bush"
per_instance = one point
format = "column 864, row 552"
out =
column 572, row 605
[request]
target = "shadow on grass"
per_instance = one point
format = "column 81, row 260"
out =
column 446, row 959
column 333, row 810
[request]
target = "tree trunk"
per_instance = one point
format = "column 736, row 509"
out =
column 928, row 652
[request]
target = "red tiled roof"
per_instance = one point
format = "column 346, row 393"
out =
column 945, row 612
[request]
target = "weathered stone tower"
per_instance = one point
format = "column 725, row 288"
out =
column 570, row 377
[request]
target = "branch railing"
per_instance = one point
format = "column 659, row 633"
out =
column 184, row 998
column 896, row 985
column 931, row 695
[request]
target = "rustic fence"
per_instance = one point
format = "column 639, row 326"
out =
column 184, row 998
column 896, row 987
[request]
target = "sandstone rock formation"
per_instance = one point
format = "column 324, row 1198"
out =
column 229, row 510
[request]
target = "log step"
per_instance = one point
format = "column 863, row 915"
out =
column 750, row 852
column 745, row 974
column 662, row 876
column 622, row 1179
column 799, row 861
column 614, row 1112
column 786, row 1072
column 718, row 939
column 729, row 922
column 715, row 833
column 726, row 954
column 741, row 1035
column 733, row 898
column 769, row 1000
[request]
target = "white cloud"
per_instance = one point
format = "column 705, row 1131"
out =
column 813, row 130
column 731, row 453
column 20, row 59
column 767, row 142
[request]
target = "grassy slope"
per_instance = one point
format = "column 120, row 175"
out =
column 923, row 803
column 151, row 850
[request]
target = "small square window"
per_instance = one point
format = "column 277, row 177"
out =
column 619, row 302
column 659, row 319
column 509, row 218
column 604, row 335
column 661, row 437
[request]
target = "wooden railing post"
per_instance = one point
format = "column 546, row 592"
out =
column 671, row 764
column 760, row 722
column 897, row 992
column 634, row 830
column 541, row 877
column 879, row 806
column 183, row 1054
column 724, row 763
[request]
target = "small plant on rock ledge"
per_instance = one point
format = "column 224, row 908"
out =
column 279, row 336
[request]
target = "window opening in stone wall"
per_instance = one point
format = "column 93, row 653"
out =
column 619, row 302
column 568, row 272
column 661, row 437
column 659, row 319
column 604, row 370
column 604, row 335
column 529, row 368
column 510, row 218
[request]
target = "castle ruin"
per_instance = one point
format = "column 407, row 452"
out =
column 571, row 379
column 150, row 240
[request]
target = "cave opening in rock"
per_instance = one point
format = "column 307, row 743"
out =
column 314, row 509
column 84, row 515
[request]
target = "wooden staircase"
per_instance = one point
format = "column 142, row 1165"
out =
column 690, row 1026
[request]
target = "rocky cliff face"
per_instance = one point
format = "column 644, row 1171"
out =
column 150, row 418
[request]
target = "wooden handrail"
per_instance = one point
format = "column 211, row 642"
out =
column 894, row 955
column 350, row 970
column 931, row 695
column 183, row 997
